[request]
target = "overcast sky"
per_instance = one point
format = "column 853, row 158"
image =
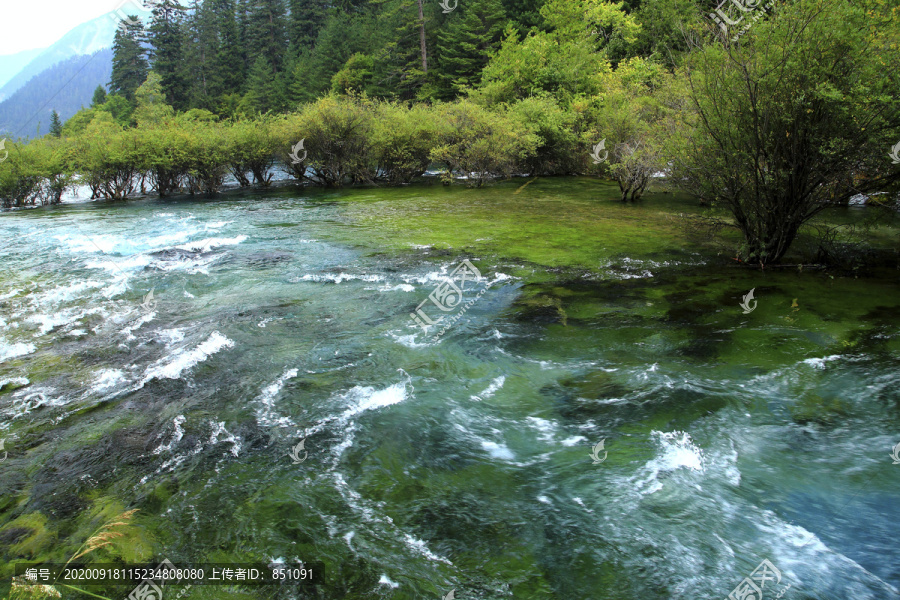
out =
column 29, row 24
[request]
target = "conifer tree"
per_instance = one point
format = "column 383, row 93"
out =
column 264, row 89
column 129, row 66
column 99, row 97
column 466, row 42
column 55, row 124
column 307, row 17
column 202, row 52
column 230, row 62
column 266, row 32
column 167, row 54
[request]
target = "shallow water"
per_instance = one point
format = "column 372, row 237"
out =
column 462, row 463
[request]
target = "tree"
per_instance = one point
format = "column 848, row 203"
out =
column 796, row 116
column 167, row 54
column 120, row 109
column 466, row 43
column 230, row 63
column 568, row 61
column 265, row 91
column 202, row 48
column 306, row 19
column 99, row 97
column 129, row 66
column 55, row 124
column 266, row 33
column 152, row 109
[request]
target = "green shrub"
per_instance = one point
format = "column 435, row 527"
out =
column 480, row 144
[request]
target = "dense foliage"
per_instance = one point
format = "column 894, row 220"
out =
column 793, row 110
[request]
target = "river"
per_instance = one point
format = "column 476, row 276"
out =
column 171, row 355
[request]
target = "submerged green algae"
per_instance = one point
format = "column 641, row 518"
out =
column 672, row 306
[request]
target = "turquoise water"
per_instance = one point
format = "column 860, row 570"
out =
column 462, row 463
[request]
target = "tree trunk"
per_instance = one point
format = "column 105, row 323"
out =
column 422, row 38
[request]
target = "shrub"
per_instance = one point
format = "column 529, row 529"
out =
column 479, row 143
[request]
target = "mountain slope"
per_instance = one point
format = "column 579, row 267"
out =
column 10, row 64
column 85, row 39
column 65, row 87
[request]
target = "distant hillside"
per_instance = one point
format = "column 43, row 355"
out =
column 85, row 39
column 65, row 87
column 11, row 64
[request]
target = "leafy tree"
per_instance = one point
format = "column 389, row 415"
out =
column 120, row 109
column 251, row 147
column 357, row 74
column 129, row 65
column 21, row 175
column 338, row 134
column 478, row 143
column 108, row 158
column 558, row 151
column 78, row 122
column 402, row 140
column 152, row 109
column 795, row 117
column 666, row 27
column 565, row 62
column 55, row 124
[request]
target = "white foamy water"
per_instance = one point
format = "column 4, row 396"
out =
column 107, row 379
column 268, row 416
column 208, row 244
column 339, row 278
column 172, row 367
column 819, row 363
column 498, row 451
column 8, row 351
column 676, row 451
column 220, row 434
column 177, row 435
column 16, row 381
column 490, row 390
